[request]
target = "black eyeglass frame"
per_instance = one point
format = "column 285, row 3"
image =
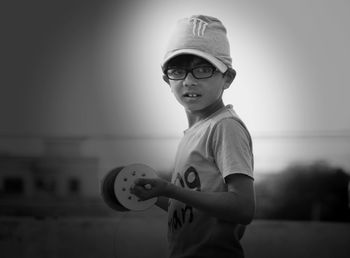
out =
column 190, row 70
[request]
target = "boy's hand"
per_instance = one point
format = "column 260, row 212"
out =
column 147, row 188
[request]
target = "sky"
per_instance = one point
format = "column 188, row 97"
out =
column 92, row 68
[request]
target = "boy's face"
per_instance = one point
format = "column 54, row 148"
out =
column 196, row 94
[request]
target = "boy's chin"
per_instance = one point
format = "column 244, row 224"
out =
column 192, row 109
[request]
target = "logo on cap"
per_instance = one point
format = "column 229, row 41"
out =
column 199, row 27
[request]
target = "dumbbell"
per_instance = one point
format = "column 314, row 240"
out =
column 115, row 188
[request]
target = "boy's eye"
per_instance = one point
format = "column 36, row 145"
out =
column 176, row 71
column 203, row 69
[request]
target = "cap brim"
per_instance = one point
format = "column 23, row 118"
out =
column 214, row 61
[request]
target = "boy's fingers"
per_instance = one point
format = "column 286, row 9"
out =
column 143, row 181
column 140, row 184
column 137, row 190
column 148, row 186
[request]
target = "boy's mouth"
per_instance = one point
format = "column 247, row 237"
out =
column 191, row 95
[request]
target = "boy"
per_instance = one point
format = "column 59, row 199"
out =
column 211, row 195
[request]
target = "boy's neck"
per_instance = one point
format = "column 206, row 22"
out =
column 196, row 116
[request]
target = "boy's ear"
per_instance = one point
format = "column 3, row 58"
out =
column 230, row 75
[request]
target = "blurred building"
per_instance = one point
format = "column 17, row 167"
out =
column 60, row 172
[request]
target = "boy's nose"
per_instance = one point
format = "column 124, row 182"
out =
column 189, row 80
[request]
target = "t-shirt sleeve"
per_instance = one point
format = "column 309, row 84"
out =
column 232, row 148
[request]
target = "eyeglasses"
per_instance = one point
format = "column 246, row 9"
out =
column 200, row 72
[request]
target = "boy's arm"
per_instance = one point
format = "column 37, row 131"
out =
column 162, row 203
column 237, row 205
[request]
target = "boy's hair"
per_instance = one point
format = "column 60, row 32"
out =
column 203, row 36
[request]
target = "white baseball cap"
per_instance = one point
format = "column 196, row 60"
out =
column 203, row 36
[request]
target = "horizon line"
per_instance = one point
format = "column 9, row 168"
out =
column 254, row 134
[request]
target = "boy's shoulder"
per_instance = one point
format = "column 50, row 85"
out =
column 223, row 114
column 227, row 117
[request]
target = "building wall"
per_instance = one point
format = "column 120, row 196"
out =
column 54, row 176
